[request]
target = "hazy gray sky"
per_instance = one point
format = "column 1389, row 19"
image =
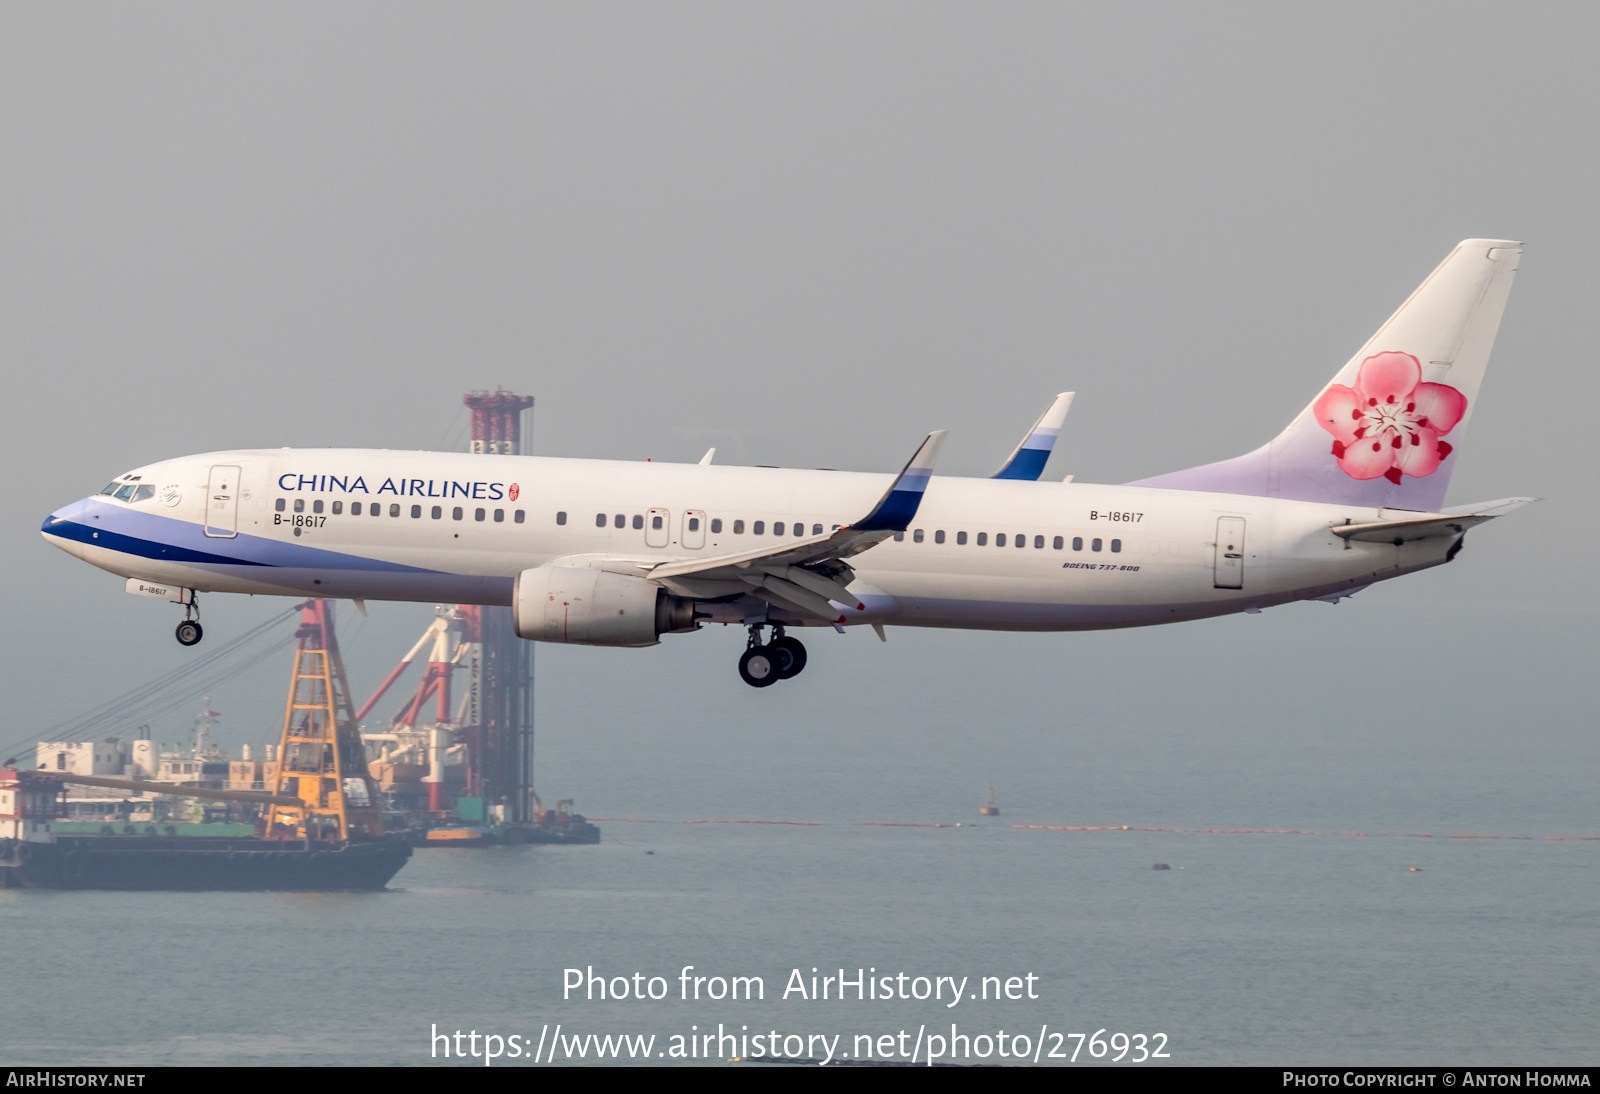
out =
column 807, row 234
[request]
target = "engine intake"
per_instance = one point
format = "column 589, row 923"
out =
column 587, row 607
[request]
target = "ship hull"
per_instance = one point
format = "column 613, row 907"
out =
column 199, row 863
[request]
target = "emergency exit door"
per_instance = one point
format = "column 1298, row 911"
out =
column 657, row 528
column 222, row 503
column 694, row 529
column 1230, row 553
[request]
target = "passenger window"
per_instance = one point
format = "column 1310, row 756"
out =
column 499, row 516
column 416, row 512
column 694, row 524
column 126, row 492
column 716, row 524
column 1057, row 543
column 638, row 521
column 938, row 537
column 394, row 509
column 738, row 527
column 277, row 506
column 355, row 509
column 816, row 529
column 619, row 521
column 916, row 537
column 599, row 520
column 1038, row 541
column 983, row 539
column 457, row 513
column 521, row 516
column 1022, row 539
column 316, row 506
column 478, row 514
column 561, row 518
column 1116, row 546
column 438, row 512
column 1077, row 543
column 899, row 537
column 759, row 527
column 144, row 493
column 299, row 505
column 655, row 522
column 777, row 527
column 338, row 507
column 1094, row 545
column 999, row 539
column 961, row 539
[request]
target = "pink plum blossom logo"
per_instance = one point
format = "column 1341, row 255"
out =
column 1390, row 424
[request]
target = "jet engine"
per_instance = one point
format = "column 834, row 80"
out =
column 590, row 607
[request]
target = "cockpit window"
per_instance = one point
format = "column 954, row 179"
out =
column 111, row 488
column 145, row 492
column 126, row 493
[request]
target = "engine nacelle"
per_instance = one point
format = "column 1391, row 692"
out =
column 588, row 607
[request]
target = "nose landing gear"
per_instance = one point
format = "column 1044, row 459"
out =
column 763, row 665
column 189, row 631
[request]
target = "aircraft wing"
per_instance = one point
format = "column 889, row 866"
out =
column 805, row 574
column 1429, row 527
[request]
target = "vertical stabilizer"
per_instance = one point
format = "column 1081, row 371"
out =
column 1386, row 430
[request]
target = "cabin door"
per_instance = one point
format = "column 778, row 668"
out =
column 222, row 503
column 1230, row 553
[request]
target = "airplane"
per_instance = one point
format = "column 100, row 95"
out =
column 611, row 553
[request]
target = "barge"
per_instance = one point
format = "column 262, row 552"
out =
column 34, row 856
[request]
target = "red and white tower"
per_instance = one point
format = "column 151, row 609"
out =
column 499, row 724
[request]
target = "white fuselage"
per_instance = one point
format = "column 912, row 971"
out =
column 981, row 553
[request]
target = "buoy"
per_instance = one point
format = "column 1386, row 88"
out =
column 1416, row 869
column 1160, row 866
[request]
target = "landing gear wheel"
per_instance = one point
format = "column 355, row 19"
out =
column 189, row 632
column 758, row 667
column 790, row 655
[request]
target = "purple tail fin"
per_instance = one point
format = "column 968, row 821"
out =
column 1385, row 431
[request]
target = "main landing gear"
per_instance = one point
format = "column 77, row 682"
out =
column 779, row 659
column 189, row 631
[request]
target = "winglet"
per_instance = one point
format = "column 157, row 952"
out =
column 899, row 503
column 1027, row 460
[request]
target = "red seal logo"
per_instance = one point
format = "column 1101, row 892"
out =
column 514, row 491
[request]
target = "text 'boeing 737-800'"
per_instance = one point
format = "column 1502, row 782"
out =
column 606, row 553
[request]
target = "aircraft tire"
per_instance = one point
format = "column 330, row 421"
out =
column 189, row 632
column 791, row 657
column 758, row 667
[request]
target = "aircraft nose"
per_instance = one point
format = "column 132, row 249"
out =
column 67, row 514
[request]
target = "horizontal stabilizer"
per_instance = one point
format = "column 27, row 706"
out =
column 1488, row 508
column 1411, row 529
